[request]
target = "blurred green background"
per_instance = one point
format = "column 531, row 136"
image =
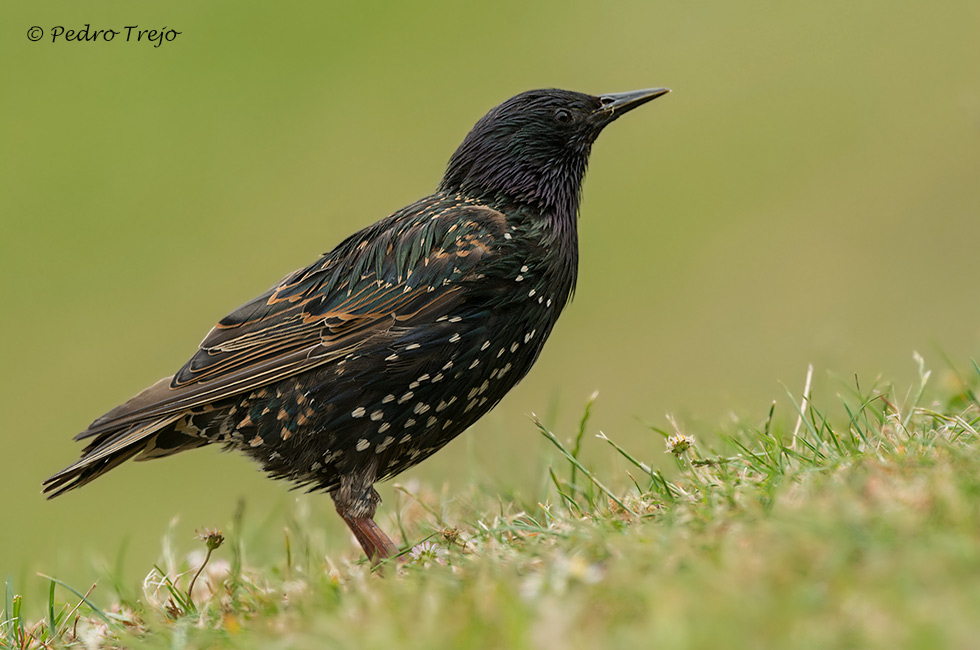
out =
column 809, row 193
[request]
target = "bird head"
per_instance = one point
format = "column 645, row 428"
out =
column 534, row 147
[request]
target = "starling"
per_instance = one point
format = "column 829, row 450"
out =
column 366, row 362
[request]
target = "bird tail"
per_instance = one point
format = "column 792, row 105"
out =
column 129, row 430
column 146, row 439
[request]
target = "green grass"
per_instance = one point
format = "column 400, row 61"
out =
column 848, row 524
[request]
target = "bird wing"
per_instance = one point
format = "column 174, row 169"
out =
column 408, row 269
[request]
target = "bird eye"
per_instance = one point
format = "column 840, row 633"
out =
column 563, row 116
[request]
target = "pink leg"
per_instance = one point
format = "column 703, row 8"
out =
column 376, row 544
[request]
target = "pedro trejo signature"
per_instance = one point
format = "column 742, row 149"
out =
column 127, row 34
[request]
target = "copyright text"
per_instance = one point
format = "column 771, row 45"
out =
column 126, row 34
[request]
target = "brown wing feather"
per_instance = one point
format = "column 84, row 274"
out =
column 349, row 299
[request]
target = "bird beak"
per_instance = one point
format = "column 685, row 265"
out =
column 615, row 104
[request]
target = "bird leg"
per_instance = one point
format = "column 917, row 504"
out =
column 376, row 544
column 356, row 501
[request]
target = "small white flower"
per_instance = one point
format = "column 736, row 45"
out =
column 678, row 443
column 427, row 552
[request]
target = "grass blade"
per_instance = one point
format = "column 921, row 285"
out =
column 574, row 461
column 581, row 433
column 92, row 606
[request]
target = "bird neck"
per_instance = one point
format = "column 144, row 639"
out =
column 553, row 232
column 550, row 185
column 561, row 240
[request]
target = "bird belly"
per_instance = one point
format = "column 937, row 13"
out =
column 390, row 407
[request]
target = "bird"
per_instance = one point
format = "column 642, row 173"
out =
column 369, row 360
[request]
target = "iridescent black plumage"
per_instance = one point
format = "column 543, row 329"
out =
column 366, row 362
